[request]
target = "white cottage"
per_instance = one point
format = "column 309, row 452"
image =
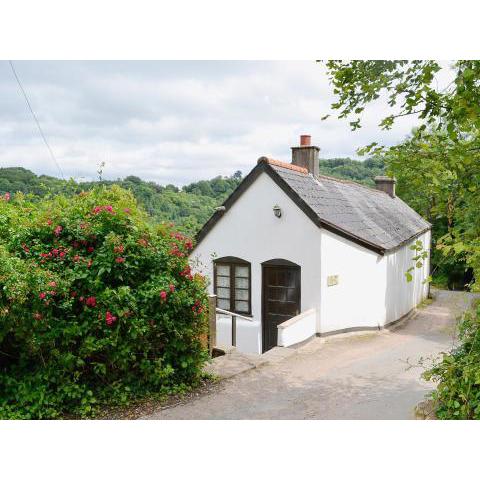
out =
column 295, row 254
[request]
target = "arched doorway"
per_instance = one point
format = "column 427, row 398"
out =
column 281, row 281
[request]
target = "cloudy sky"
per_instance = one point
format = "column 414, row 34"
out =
column 172, row 122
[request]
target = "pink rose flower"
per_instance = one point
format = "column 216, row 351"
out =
column 110, row 319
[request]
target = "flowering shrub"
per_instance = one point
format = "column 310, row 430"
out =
column 96, row 305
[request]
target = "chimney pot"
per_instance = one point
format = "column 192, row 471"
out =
column 305, row 140
column 386, row 184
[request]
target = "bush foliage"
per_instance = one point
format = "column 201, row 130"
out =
column 96, row 305
column 458, row 373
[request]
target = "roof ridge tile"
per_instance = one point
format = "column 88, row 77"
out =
column 279, row 163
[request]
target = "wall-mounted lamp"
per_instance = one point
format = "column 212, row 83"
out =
column 277, row 211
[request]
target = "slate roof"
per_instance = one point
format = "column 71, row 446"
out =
column 364, row 215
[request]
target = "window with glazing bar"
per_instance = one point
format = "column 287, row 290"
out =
column 232, row 285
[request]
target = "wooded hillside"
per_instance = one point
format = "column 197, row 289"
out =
column 190, row 206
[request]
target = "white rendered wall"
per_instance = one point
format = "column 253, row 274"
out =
column 249, row 230
column 372, row 289
column 298, row 329
column 358, row 300
column 401, row 296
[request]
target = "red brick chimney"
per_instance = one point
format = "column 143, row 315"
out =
column 306, row 155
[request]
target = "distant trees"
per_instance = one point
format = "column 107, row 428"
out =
column 188, row 207
column 362, row 172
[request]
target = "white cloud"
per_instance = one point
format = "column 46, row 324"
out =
column 172, row 122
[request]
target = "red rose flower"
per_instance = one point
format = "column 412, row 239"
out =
column 163, row 294
column 172, row 287
column 90, row 249
column 110, row 319
column 91, row 302
column 42, row 295
column 120, row 259
column 58, row 230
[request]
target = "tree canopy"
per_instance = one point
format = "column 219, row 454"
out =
column 438, row 165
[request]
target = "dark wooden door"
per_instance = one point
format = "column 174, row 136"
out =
column 281, row 299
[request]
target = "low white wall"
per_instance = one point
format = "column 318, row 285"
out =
column 297, row 329
column 248, row 334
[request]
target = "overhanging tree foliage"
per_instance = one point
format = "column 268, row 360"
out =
column 438, row 166
column 438, row 172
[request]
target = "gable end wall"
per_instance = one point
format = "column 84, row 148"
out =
column 249, row 230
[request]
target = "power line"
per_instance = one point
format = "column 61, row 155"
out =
column 36, row 120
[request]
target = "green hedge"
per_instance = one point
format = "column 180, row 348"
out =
column 96, row 306
column 457, row 373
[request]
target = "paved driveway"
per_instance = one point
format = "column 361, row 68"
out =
column 355, row 377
